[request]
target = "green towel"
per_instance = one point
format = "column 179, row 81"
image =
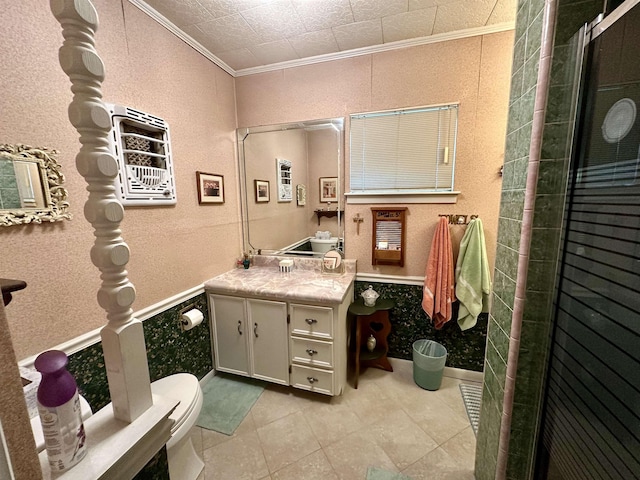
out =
column 473, row 280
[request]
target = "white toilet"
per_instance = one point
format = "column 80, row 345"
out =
column 184, row 462
column 323, row 245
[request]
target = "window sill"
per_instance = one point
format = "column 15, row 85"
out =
column 391, row 198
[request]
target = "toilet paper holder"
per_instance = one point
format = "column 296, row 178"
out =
column 182, row 322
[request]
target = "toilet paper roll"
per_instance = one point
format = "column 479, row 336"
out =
column 191, row 319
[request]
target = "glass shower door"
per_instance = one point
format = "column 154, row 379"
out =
column 591, row 420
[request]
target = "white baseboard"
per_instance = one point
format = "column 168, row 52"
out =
column 452, row 372
column 204, row 380
column 384, row 278
column 462, row 374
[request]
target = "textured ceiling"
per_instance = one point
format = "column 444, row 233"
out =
column 246, row 34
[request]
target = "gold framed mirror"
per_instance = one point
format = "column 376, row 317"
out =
column 31, row 186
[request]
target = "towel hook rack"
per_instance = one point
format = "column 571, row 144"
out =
column 456, row 219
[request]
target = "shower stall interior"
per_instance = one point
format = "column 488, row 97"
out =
column 591, row 415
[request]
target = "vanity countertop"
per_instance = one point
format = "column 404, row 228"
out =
column 305, row 283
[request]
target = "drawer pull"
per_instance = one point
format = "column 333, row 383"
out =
column 310, row 321
column 255, row 329
column 239, row 325
column 312, row 380
column 311, row 352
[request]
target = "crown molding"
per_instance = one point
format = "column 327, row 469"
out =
column 164, row 21
column 413, row 42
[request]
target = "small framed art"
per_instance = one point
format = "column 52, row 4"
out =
column 262, row 190
column 210, row 188
column 328, row 189
column 301, row 194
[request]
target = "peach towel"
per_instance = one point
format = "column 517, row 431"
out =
column 438, row 293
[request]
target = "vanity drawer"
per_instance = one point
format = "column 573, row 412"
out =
column 313, row 321
column 315, row 353
column 312, row 379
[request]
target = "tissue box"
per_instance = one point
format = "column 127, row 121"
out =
column 286, row 265
column 30, row 382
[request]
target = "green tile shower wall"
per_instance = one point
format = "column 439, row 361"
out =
column 521, row 108
column 409, row 323
column 169, row 351
column 545, row 239
column 545, row 236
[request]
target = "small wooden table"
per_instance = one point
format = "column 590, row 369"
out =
column 371, row 321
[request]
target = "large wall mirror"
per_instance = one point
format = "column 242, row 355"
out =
column 295, row 209
column 31, row 186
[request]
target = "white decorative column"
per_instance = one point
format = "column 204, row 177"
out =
column 122, row 338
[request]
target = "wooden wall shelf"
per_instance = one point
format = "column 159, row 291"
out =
column 327, row 213
column 389, row 233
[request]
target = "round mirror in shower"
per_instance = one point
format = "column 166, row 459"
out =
column 619, row 120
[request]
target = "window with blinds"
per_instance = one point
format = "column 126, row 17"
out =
column 409, row 151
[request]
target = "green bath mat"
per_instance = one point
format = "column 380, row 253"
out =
column 227, row 400
column 375, row 473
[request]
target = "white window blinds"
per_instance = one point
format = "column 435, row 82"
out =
column 404, row 151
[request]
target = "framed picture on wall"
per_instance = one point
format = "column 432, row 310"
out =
column 262, row 190
column 301, row 194
column 328, row 189
column 210, row 188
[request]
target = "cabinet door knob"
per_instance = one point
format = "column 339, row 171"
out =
column 312, row 379
column 255, row 329
column 311, row 352
column 239, row 325
column 311, row 321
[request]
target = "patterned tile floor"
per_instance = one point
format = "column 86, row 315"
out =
column 388, row 422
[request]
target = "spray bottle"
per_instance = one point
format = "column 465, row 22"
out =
column 59, row 409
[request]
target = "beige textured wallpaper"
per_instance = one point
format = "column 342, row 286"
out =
column 473, row 71
column 176, row 248
column 172, row 248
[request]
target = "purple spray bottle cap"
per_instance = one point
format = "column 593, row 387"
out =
column 51, row 361
column 58, row 385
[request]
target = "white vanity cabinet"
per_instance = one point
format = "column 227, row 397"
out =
column 250, row 337
column 284, row 327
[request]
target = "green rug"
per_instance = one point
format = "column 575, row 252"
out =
column 375, row 473
column 227, row 400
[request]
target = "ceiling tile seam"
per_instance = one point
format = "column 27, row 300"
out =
column 306, row 28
